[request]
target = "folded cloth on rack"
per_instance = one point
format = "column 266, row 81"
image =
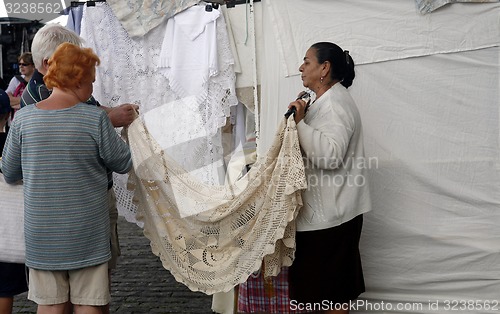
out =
column 235, row 227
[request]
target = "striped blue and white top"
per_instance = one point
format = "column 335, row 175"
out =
column 62, row 157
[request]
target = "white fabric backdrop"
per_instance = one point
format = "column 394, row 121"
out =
column 377, row 31
column 432, row 122
column 434, row 232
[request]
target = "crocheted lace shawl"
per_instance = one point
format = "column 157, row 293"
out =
column 236, row 227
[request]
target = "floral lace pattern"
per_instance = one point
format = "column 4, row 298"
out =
column 235, row 226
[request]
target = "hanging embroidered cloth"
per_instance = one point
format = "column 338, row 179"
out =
column 227, row 231
column 428, row 6
column 140, row 16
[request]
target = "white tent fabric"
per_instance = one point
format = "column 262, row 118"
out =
column 432, row 242
column 377, row 31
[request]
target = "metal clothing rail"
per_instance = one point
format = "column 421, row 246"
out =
column 233, row 3
column 228, row 3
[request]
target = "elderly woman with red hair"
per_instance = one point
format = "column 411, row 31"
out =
column 60, row 148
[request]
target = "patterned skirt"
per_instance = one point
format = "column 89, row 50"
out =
column 259, row 295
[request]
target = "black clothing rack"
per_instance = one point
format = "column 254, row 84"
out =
column 228, row 3
column 89, row 3
column 215, row 3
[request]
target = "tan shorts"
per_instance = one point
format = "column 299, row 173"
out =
column 85, row 286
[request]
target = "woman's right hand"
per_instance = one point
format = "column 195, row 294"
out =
column 300, row 112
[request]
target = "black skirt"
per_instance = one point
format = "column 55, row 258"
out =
column 327, row 264
column 12, row 279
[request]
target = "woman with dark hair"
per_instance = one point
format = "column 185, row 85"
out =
column 327, row 264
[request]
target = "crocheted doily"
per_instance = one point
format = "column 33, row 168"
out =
column 236, row 226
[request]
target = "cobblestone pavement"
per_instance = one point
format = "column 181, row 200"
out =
column 140, row 285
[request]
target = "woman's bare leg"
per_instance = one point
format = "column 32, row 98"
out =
column 51, row 309
column 6, row 305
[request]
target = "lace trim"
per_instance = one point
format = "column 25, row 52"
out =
column 237, row 225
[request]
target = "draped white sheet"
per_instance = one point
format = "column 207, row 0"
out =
column 433, row 123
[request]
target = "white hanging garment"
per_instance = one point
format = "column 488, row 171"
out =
column 188, row 54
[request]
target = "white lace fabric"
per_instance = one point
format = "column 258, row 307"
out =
column 237, row 226
column 129, row 73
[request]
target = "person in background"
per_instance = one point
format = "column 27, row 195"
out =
column 327, row 263
column 3, row 85
column 4, row 117
column 61, row 148
column 12, row 283
column 18, row 82
column 12, row 275
column 45, row 42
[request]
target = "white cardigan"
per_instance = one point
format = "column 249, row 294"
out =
column 331, row 140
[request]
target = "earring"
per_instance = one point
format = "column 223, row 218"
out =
column 321, row 80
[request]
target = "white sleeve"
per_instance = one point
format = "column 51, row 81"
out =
column 326, row 142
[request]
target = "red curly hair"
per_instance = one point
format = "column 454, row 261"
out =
column 69, row 66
